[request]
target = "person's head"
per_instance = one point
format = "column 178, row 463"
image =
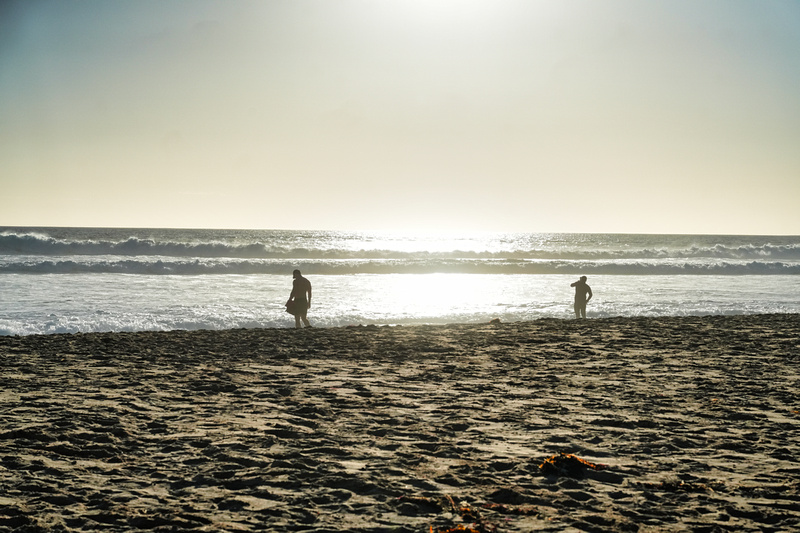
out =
column 296, row 274
column 583, row 279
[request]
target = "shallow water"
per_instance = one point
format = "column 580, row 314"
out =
column 123, row 302
column 71, row 279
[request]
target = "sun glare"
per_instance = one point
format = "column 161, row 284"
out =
column 435, row 294
column 449, row 14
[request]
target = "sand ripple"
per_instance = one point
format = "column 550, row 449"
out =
column 693, row 420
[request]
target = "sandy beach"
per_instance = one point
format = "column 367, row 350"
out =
column 671, row 424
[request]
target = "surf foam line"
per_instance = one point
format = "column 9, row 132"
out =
column 349, row 267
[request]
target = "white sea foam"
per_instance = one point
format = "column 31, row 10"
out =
column 204, row 266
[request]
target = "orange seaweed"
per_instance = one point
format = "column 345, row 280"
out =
column 567, row 464
column 456, row 529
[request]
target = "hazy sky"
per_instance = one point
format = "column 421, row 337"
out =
column 673, row 116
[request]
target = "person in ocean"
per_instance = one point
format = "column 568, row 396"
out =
column 300, row 299
column 583, row 293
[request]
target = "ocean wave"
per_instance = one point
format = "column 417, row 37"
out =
column 41, row 244
column 350, row 267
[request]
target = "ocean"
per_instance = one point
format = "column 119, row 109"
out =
column 69, row 280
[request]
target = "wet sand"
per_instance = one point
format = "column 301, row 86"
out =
column 674, row 424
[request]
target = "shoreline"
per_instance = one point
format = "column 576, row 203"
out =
column 494, row 322
column 692, row 422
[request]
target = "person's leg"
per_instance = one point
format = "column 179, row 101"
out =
column 577, row 310
column 583, row 310
column 297, row 321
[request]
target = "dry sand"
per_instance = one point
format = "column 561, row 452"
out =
column 693, row 423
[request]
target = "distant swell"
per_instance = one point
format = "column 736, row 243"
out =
column 34, row 244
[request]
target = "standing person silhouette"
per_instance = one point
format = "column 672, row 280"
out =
column 300, row 299
column 583, row 293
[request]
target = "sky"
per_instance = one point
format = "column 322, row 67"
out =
column 627, row 116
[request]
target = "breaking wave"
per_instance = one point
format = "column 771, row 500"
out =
column 766, row 255
column 346, row 267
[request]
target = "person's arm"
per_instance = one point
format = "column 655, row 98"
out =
column 309, row 294
column 573, row 284
column 588, row 288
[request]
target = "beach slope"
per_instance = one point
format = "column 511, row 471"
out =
column 624, row 424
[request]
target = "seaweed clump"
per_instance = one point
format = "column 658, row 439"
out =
column 567, row 464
